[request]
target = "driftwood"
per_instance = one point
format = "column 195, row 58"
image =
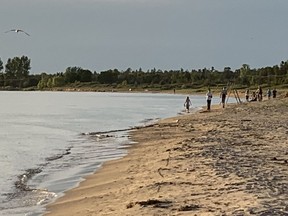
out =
column 160, row 172
column 168, row 159
column 191, row 207
column 151, row 202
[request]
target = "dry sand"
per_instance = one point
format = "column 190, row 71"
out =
column 230, row 161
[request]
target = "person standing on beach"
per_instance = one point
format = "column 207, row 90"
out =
column 274, row 92
column 223, row 95
column 209, row 99
column 187, row 104
column 247, row 95
column 269, row 93
column 259, row 93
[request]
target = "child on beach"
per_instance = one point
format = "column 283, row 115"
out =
column 187, row 104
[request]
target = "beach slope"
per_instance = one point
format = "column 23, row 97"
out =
column 230, row 161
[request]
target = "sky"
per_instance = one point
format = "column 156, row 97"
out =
column 164, row 34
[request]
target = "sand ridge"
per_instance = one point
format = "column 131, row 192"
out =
column 230, row 161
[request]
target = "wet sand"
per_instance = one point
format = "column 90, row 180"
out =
column 231, row 161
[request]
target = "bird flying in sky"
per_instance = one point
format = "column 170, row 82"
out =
column 17, row 31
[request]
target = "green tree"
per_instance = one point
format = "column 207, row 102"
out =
column 1, row 73
column 42, row 84
column 85, row 75
column 17, row 70
column 58, row 81
column 227, row 74
column 244, row 74
column 109, row 77
column 1, row 65
column 50, row 83
column 71, row 75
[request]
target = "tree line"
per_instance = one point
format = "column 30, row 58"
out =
column 16, row 75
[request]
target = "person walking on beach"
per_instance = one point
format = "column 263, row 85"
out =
column 269, row 93
column 187, row 104
column 223, row 95
column 259, row 93
column 209, row 99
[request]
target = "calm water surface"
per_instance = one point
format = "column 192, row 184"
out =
column 49, row 140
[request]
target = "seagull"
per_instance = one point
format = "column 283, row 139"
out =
column 17, row 31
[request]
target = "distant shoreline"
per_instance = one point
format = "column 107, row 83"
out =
column 202, row 90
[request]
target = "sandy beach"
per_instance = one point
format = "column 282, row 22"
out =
column 231, row 161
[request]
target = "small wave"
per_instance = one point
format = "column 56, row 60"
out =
column 24, row 201
column 105, row 132
column 58, row 156
column 45, row 197
column 102, row 136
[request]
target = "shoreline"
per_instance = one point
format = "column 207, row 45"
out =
column 207, row 163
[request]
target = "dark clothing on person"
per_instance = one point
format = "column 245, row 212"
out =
column 187, row 104
column 223, row 96
column 269, row 93
column 259, row 93
column 208, row 105
column 274, row 92
column 209, row 99
column 247, row 95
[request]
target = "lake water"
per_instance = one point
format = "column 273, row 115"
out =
column 49, row 140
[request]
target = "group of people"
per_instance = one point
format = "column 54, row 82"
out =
column 255, row 96
column 258, row 94
column 209, row 96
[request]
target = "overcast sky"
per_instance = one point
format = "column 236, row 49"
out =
column 163, row 34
